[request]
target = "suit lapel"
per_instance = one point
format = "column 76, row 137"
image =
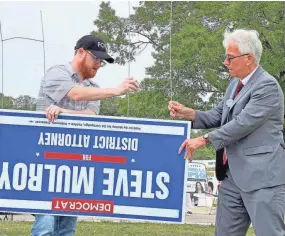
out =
column 253, row 78
column 229, row 99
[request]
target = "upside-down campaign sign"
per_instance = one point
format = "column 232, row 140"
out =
column 92, row 166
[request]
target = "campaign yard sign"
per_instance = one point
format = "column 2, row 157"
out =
column 114, row 167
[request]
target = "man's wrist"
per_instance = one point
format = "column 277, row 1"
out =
column 115, row 92
column 63, row 110
column 191, row 114
column 206, row 138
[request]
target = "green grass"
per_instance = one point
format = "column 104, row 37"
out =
column 117, row 229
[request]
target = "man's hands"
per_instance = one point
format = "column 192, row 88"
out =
column 53, row 111
column 129, row 85
column 178, row 110
column 191, row 145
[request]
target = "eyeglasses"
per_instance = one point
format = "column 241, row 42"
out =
column 102, row 63
column 229, row 58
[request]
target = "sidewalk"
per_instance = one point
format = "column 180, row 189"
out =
column 195, row 218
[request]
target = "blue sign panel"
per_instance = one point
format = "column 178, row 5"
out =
column 92, row 166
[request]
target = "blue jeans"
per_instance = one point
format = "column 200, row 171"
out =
column 47, row 225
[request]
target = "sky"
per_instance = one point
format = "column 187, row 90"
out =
column 64, row 23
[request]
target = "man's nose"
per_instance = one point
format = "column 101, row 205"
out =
column 226, row 62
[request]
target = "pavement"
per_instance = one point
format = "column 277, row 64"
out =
column 200, row 216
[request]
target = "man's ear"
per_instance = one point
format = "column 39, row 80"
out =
column 250, row 60
column 80, row 52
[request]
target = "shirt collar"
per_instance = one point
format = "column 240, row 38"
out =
column 75, row 76
column 246, row 79
column 70, row 69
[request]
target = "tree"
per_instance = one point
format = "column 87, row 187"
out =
column 197, row 33
column 25, row 102
column 6, row 102
column 150, row 102
column 109, row 106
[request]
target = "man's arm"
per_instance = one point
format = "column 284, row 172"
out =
column 264, row 102
column 53, row 111
column 58, row 84
column 93, row 94
column 209, row 119
column 82, row 112
column 92, row 108
column 200, row 119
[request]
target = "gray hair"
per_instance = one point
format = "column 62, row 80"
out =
column 247, row 41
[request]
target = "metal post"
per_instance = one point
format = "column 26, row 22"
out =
column 2, row 53
column 2, row 66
